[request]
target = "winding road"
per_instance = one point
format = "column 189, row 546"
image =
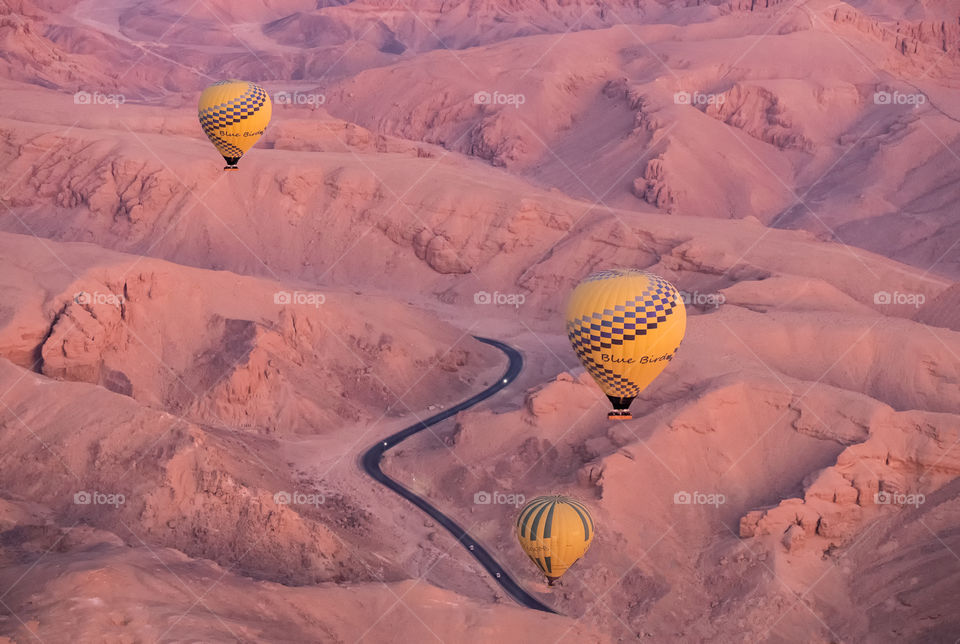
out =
column 371, row 464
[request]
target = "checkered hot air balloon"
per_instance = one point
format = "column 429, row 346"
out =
column 233, row 115
column 625, row 325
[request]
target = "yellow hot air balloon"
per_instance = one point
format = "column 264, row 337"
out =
column 234, row 114
column 554, row 531
column 625, row 326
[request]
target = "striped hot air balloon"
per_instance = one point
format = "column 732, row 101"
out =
column 233, row 115
column 625, row 325
column 554, row 531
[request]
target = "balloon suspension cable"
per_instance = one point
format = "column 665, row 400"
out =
column 621, row 407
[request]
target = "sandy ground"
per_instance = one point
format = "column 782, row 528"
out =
column 183, row 345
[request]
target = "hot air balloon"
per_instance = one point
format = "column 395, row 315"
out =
column 233, row 115
column 554, row 531
column 625, row 326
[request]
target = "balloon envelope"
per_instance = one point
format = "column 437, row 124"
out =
column 625, row 325
column 554, row 531
column 233, row 115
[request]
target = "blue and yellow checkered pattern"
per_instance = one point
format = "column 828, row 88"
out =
column 625, row 322
column 217, row 117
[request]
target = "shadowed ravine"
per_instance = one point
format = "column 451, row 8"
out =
column 371, row 464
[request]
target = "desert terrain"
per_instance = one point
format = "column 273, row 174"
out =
column 193, row 361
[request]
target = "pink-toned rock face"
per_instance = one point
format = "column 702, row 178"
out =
column 193, row 362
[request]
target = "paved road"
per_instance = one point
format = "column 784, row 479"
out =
column 371, row 464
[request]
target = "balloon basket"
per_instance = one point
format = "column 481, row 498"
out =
column 230, row 167
column 620, row 414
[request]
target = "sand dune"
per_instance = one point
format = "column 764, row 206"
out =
column 183, row 345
